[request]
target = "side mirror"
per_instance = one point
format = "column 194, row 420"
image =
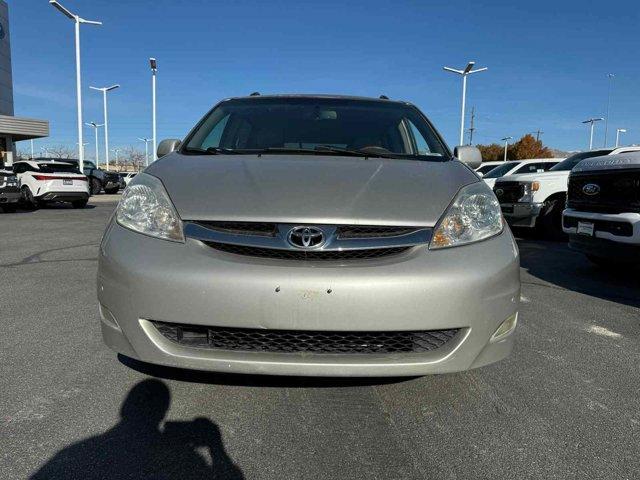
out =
column 167, row 146
column 468, row 155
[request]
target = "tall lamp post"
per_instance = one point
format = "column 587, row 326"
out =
column 592, row 121
column 468, row 70
column 610, row 76
column 506, row 143
column 104, row 91
column 95, row 127
column 116, row 151
column 146, row 149
column 154, row 68
column 618, row 132
column 78, row 20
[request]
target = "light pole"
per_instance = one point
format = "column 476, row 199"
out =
column 32, row 149
column 618, row 132
column 606, row 121
column 79, row 149
column 146, row 149
column 592, row 121
column 466, row 72
column 104, row 91
column 95, row 127
column 116, row 151
column 506, row 142
column 78, row 20
column 154, row 68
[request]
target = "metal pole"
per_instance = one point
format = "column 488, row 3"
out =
column 32, row 149
column 153, row 115
column 606, row 119
column 617, row 137
column 505, row 150
column 106, row 129
column 464, row 98
column 591, row 136
column 79, row 94
column 146, row 153
column 97, row 157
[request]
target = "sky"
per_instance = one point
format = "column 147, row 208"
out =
column 547, row 62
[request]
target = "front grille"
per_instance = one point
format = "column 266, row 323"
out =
column 262, row 229
column 619, row 192
column 304, row 341
column 621, row 229
column 373, row 231
column 309, row 255
column 508, row 192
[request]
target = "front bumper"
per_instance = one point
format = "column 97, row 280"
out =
column 521, row 214
column 9, row 194
column 142, row 279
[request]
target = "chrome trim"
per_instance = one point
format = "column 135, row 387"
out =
column 332, row 242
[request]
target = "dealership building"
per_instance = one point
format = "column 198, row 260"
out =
column 12, row 129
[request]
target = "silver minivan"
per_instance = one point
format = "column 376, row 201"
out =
column 310, row 235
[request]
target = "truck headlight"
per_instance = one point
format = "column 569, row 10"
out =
column 529, row 189
column 474, row 215
column 145, row 208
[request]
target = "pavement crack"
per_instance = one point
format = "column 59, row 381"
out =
column 37, row 257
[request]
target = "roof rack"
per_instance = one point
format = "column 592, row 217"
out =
column 255, row 94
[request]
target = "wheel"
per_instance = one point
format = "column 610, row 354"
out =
column 79, row 203
column 27, row 198
column 10, row 207
column 95, row 186
column 111, row 191
column 549, row 223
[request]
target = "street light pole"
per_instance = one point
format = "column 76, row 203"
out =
column 506, row 142
column 104, row 91
column 146, row 149
column 78, row 20
column 116, row 151
column 32, row 149
column 468, row 70
column 606, row 122
column 618, row 132
column 592, row 121
column 154, row 68
column 95, row 127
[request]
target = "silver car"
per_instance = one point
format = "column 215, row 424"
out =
column 310, row 235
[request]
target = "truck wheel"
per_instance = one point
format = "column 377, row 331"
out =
column 549, row 223
column 94, row 186
column 111, row 191
column 27, row 198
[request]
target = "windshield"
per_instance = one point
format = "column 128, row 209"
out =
column 573, row 160
column 501, row 170
column 58, row 168
column 317, row 126
column 486, row 168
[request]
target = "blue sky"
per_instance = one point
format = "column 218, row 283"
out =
column 547, row 60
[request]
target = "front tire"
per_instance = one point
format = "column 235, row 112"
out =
column 95, row 186
column 549, row 223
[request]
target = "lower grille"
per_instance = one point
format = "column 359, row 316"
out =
column 619, row 191
column 508, row 192
column 309, row 255
column 262, row 229
column 304, row 341
column 373, row 231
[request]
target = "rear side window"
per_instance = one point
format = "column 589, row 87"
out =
column 535, row 167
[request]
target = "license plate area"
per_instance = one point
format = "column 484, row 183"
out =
column 585, row 228
column 67, row 181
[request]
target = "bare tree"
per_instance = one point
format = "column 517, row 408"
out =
column 59, row 151
column 133, row 158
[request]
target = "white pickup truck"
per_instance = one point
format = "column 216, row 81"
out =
column 537, row 199
column 602, row 217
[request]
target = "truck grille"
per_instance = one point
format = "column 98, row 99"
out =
column 508, row 192
column 619, row 192
column 304, row 341
column 308, row 255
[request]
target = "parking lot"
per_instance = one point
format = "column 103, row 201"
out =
column 564, row 405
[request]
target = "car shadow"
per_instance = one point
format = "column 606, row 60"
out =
column 274, row 381
column 144, row 445
column 554, row 263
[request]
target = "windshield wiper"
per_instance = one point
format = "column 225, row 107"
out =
column 212, row 151
column 365, row 152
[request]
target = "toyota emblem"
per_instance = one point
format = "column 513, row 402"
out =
column 591, row 189
column 306, row 237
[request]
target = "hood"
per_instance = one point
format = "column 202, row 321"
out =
column 530, row 177
column 310, row 189
column 622, row 161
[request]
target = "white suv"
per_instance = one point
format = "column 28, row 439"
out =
column 513, row 167
column 537, row 199
column 51, row 181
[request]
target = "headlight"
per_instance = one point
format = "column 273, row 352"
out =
column 145, row 208
column 529, row 189
column 473, row 216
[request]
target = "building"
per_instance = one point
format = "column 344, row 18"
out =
column 12, row 129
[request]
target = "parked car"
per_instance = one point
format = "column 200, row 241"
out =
column 51, row 181
column 9, row 191
column 98, row 179
column 486, row 167
column 536, row 200
column 602, row 217
column 127, row 177
column 310, row 235
column 512, row 167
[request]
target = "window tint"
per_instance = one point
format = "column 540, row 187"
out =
column 256, row 124
column 573, row 160
column 486, row 168
column 58, row 168
column 535, row 167
column 501, row 170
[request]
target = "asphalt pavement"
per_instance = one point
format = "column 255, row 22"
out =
column 565, row 405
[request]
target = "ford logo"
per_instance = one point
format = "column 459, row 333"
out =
column 306, row 237
column 591, row 189
column 499, row 192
